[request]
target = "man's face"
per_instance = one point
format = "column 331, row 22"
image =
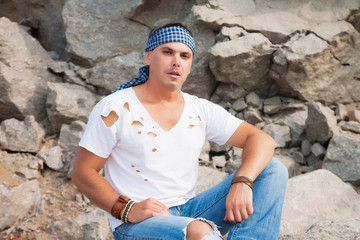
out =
column 170, row 64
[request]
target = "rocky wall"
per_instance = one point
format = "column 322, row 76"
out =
column 291, row 68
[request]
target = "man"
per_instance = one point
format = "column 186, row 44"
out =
column 148, row 135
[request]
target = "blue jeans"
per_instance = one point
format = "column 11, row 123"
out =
column 264, row 223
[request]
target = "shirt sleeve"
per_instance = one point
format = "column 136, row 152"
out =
column 98, row 138
column 220, row 124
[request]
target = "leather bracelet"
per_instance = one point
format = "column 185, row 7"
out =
column 243, row 179
column 118, row 206
column 125, row 214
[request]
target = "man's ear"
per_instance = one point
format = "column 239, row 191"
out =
column 147, row 58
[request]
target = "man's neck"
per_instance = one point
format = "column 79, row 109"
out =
column 153, row 93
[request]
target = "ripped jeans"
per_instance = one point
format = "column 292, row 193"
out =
column 264, row 223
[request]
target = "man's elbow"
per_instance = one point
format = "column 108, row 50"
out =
column 270, row 142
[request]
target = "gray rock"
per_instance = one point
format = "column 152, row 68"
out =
column 20, row 136
column 320, row 68
column 204, row 154
column 305, row 147
column 320, row 123
column 23, row 73
column 52, row 156
column 296, row 122
column 253, row 116
column 16, row 202
column 350, row 126
column 253, row 100
column 272, row 105
column 228, row 93
column 207, row 178
column 243, row 61
column 290, row 164
column 239, row 105
column 331, row 229
column 114, row 72
column 281, row 134
column 68, row 102
column 92, row 225
column 230, row 33
column 343, row 157
column 98, row 30
column 298, row 157
column 318, row 150
column 327, row 203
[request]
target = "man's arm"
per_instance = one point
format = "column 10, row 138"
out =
column 258, row 149
column 86, row 177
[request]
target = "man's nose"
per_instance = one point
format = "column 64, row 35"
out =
column 176, row 60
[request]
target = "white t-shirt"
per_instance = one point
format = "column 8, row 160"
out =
column 143, row 160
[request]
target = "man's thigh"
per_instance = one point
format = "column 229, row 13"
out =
column 155, row 228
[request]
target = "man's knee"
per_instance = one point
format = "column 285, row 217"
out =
column 197, row 229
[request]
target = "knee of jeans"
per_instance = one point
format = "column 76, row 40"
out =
column 214, row 232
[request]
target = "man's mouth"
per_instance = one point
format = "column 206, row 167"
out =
column 174, row 73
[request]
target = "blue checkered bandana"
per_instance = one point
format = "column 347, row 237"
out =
column 161, row 36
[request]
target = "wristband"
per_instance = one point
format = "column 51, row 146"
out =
column 243, row 179
column 118, row 206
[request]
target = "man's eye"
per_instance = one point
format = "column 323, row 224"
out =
column 167, row 52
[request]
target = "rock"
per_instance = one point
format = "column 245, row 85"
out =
column 298, row 157
column 114, row 72
column 69, row 139
column 91, row 225
column 228, row 93
column 341, row 111
column 343, row 157
column 207, row 178
column 296, row 122
column 52, row 156
column 239, row 105
column 23, row 73
column 28, row 173
column 289, row 163
column 320, row 68
column 230, row 33
column 20, row 136
column 204, row 154
column 305, row 147
column 320, row 123
column 350, row 126
column 68, row 102
column 98, row 30
column 281, row 134
column 272, row 105
column 253, row 100
column 330, row 229
column 253, row 116
column 219, row 161
column 310, row 199
column 17, row 202
column 318, row 150
column 243, row 61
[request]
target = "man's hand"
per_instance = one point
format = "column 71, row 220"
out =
column 147, row 209
column 238, row 203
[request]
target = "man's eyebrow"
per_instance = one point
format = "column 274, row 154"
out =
column 172, row 50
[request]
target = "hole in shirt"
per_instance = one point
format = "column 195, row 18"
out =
column 199, row 118
column 132, row 165
column 137, row 123
column 139, row 132
column 126, row 106
column 146, row 179
column 151, row 134
column 190, row 117
column 110, row 119
column 191, row 126
column 154, row 150
column 137, row 170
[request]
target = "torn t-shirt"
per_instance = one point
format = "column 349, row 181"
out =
column 143, row 160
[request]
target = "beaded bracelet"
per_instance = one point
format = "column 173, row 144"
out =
column 243, row 179
column 125, row 214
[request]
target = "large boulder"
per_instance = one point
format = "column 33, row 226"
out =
column 244, row 61
column 320, row 66
column 99, row 30
column 315, row 197
column 21, row 136
column 343, row 157
column 23, row 73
